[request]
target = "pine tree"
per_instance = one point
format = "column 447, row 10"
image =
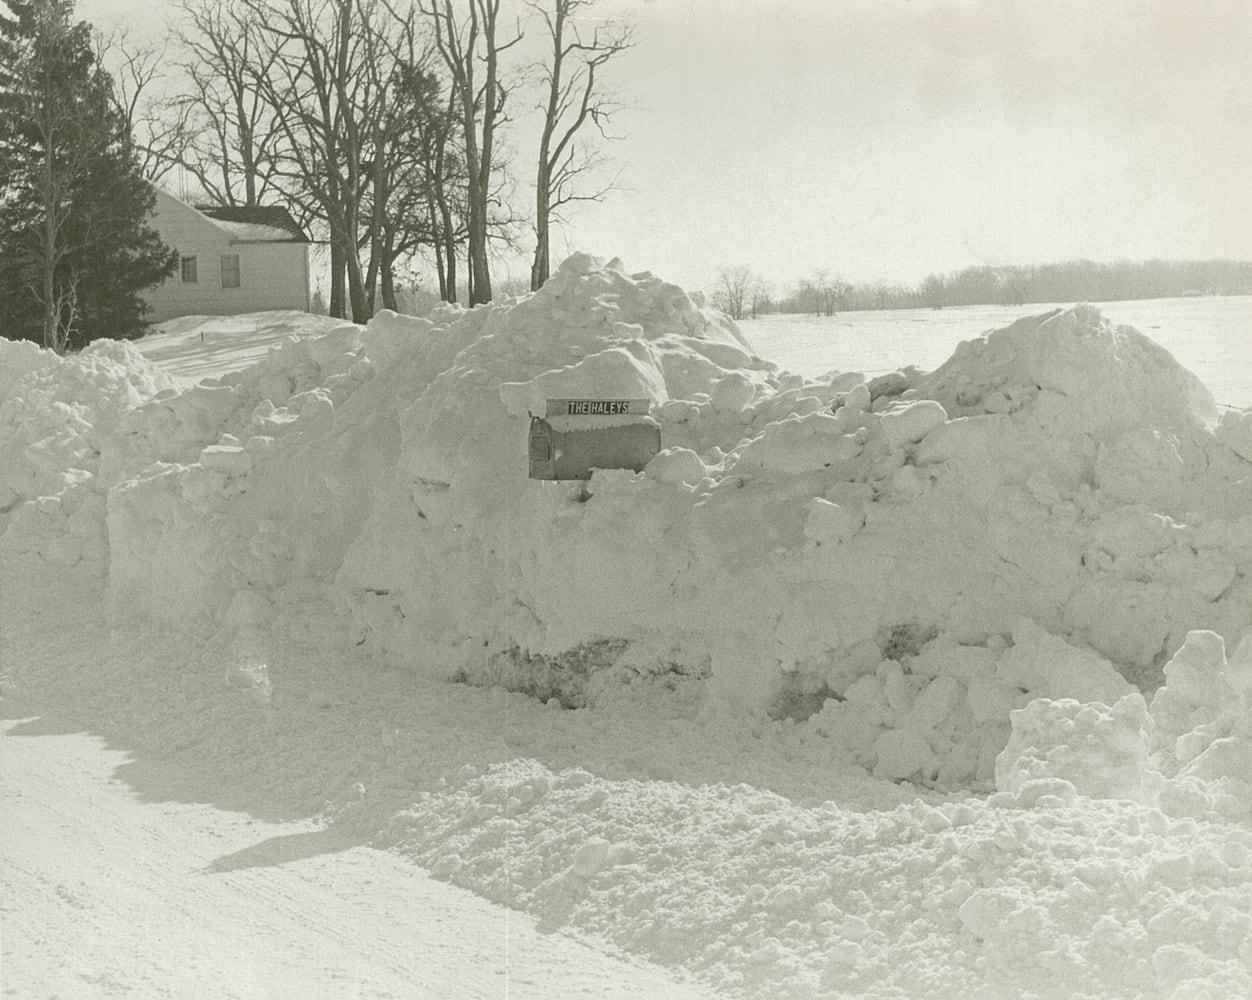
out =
column 75, row 249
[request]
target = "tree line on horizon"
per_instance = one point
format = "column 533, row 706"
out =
column 742, row 293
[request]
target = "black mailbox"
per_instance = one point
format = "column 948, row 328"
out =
column 578, row 435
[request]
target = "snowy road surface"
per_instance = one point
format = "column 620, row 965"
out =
column 104, row 894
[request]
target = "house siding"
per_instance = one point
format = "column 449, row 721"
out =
column 271, row 275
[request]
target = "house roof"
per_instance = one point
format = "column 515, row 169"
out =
column 256, row 223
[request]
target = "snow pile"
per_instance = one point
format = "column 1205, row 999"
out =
column 55, row 415
column 1235, row 431
column 1055, row 898
column 901, row 562
column 1204, row 715
column 1066, row 748
column 1190, row 752
column 181, row 471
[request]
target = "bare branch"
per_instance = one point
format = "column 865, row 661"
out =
column 465, row 44
column 574, row 98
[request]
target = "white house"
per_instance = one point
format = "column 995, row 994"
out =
column 231, row 260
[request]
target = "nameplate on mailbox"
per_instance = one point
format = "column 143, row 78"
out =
column 597, row 407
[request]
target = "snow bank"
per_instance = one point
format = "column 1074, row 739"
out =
column 1022, row 574
column 764, row 898
column 899, row 563
column 55, row 416
column 1188, row 751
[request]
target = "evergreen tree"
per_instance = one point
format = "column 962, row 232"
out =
column 75, row 249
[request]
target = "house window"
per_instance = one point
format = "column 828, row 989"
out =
column 230, row 270
column 189, row 270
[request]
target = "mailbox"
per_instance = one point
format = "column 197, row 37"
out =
column 578, row 435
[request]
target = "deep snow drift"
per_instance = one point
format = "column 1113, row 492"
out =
column 976, row 579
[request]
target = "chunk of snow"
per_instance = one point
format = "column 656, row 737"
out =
column 1101, row 751
column 908, row 423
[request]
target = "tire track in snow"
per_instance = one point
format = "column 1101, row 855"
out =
column 103, row 895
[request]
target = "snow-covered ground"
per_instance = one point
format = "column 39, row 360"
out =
column 113, row 886
column 1210, row 336
column 928, row 685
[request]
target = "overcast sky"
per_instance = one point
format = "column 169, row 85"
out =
column 883, row 139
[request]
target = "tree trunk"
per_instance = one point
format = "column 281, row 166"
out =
column 480, row 271
column 386, row 270
column 375, row 264
column 448, row 239
column 48, row 261
column 372, row 270
column 388, row 282
column 437, row 242
column 478, row 160
column 248, row 154
column 543, row 172
column 450, row 262
column 479, row 274
column 336, row 308
column 539, row 270
column 379, row 257
column 356, row 289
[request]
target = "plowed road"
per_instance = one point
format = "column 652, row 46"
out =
column 105, row 895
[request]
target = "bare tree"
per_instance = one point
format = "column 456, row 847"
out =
column 230, row 133
column 413, row 177
column 733, row 285
column 156, row 124
column 758, row 295
column 829, row 293
column 934, row 291
column 336, row 104
column 573, row 99
column 443, row 176
column 807, row 297
column 313, row 77
column 467, row 43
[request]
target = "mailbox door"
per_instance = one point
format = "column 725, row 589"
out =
column 542, row 450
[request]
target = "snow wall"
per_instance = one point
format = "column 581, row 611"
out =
column 903, row 564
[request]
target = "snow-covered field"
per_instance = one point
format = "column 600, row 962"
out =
column 928, row 685
column 1210, row 336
